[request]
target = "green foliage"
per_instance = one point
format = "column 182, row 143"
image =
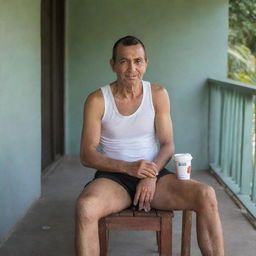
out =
column 242, row 23
column 242, row 41
column 241, row 64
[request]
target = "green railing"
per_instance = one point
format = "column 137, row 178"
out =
column 232, row 138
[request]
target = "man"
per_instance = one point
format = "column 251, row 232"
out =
column 127, row 118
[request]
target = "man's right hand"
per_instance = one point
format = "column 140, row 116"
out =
column 142, row 169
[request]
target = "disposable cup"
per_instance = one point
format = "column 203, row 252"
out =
column 183, row 165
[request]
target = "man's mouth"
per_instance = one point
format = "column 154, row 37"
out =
column 131, row 77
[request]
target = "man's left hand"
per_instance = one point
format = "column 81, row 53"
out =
column 144, row 193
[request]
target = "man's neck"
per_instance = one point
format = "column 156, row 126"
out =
column 127, row 90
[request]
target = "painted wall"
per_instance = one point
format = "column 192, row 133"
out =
column 20, row 111
column 186, row 43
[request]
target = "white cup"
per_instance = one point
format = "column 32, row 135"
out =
column 183, row 165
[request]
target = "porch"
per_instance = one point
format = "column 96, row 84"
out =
column 187, row 44
column 48, row 227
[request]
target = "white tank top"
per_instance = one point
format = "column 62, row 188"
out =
column 132, row 137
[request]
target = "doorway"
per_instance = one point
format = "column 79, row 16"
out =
column 52, row 80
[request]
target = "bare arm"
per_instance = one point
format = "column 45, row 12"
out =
column 163, row 124
column 93, row 112
column 90, row 157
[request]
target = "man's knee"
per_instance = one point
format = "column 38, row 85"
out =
column 88, row 209
column 207, row 198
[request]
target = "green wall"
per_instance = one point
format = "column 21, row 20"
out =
column 186, row 43
column 20, row 113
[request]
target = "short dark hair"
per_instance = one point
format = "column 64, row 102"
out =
column 127, row 41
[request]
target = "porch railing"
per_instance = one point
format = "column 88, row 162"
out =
column 232, row 138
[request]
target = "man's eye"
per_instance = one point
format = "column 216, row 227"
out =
column 139, row 61
column 122, row 61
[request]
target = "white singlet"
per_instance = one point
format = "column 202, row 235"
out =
column 132, row 137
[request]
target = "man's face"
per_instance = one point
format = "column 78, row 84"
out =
column 130, row 64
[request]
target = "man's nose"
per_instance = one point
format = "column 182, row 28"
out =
column 131, row 66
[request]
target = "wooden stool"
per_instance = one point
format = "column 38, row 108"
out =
column 160, row 221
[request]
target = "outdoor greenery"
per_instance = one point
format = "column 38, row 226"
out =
column 242, row 41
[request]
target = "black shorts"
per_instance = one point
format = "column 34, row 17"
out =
column 125, row 180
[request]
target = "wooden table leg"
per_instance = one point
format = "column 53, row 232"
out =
column 158, row 239
column 103, row 237
column 165, row 233
column 186, row 232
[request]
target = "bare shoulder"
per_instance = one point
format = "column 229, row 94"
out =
column 157, row 87
column 95, row 96
column 159, row 95
column 158, row 91
column 94, row 102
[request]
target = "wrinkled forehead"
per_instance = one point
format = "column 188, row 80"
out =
column 130, row 52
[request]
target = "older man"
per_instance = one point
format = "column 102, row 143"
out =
column 127, row 119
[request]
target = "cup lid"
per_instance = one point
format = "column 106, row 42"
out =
column 182, row 157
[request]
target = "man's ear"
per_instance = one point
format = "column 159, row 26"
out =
column 147, row 63
column 112, row 64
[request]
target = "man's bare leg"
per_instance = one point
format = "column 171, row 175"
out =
column 100, row 198
column 172, row 193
